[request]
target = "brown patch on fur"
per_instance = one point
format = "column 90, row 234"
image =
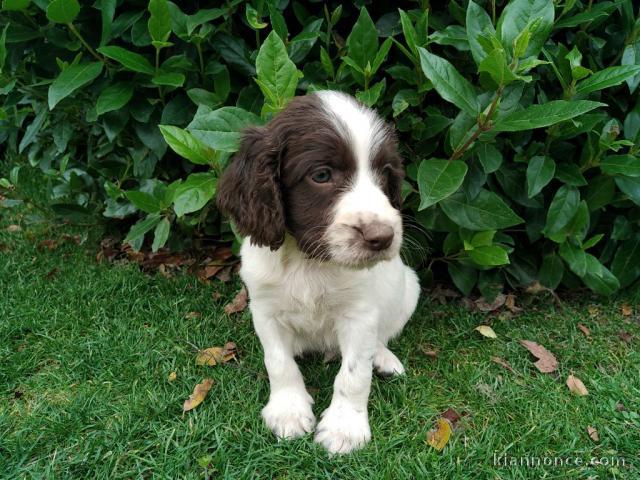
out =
column 267, row 188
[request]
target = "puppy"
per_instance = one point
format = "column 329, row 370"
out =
column 317, row 193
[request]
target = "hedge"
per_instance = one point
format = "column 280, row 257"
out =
column 519, row 122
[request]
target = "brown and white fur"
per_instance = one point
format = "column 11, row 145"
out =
column 317, row 192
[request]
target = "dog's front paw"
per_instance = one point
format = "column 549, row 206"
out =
column 289, row 414
column 343, row 429
column 387, row 364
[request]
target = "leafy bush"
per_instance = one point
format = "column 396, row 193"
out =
column 519, row 123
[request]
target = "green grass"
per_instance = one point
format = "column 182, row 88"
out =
column 88, row 350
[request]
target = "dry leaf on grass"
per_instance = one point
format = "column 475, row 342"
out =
column 191, row 315
column 502, row 362
column 47, row 244
column 172, row 376
column 484, row 306
column 14, row 228
column 547, row 362
column 626, row 337
column 52, row 273
column 510, row 303
column 593, row 434
column 486, row 331
column 199, row 392
column 430, row 352
column 238, row 304
column 593, row 310
column 439, row 435
column 217, row 355
column 584, row 330
column 626, row 310
column 576, row 386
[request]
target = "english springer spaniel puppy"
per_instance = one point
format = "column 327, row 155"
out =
column 317, row 192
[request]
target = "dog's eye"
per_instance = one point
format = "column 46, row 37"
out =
column 321, row 176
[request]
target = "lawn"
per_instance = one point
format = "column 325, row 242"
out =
column 86, row 350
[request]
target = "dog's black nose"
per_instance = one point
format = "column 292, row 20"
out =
column 377, row 235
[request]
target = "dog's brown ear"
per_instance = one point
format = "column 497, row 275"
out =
column 249, row 190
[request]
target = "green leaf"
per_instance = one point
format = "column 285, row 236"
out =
column 451, row 86
column 63, row 11
column 277, row 74
column 489, row 255
column 606, row 78
column 186, row 145
column 221, row 129
column 489, row 156
column 627, row 165
column 630, row 186
column 495, row 64
column 464, row 278
column 144, row 201
column 194, row 193
column 562, row 209
column 161, row 234
column 129, row 60
column 478, row 22
column 551, row 271
column 33, row 129
column 301, row 44
column 538, row 116
column 114, row 97
column 159, row 23
column 327, row 63
column 631, row 56
column 486, row 212
column 570, row 174
column 370, row 97
column 362, row 42
column 598, row 278
column 138, row 230
column 107, row 11
column 171, row 79
column 540, row 172
column 251, row 14
column 72, row 78
column 410, row 35
column 381, row 56
column 575, row 257
column 518, row 14
column 437, row 179
column 3, row 56
column 626, row 262
column 15, row 5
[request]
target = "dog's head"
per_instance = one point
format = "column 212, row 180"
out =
column 325, row 170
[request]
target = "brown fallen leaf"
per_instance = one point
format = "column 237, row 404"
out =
column 584, row 330
column 14, row 228
column 547, row 362
column 593, row 310
column 502, row 362
column 216, row 355
column 484, row 306
column 431, row 353
column 439, row 435
column 172, row 376
column 593, row 434
column 451, row 415
column 620, row 407
column 626, row 337
column 238, row 304
column 193, row 315
column 510, row 303
column 626, row 310
column 576, row 386
column 199, row 392
column 47, row 244
column 52, row 273
column 486, row 331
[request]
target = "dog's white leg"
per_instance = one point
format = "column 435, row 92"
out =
column 345, row 425
column 288, row 413
column 386, row 363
